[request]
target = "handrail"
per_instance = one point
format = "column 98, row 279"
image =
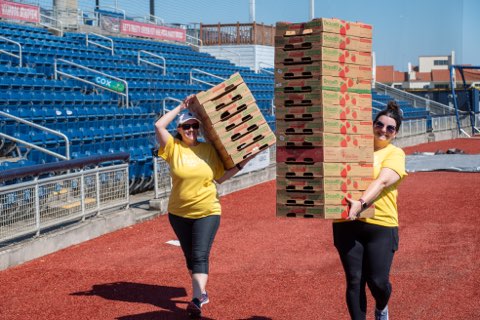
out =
column 155, row 18
column 37, row 126
column 50, row 26
column 19, row 57
column 197, row 39
column 168, row 98
column 379, row 102
column 99, row 44
column 33, row 146
column 87, row 18
column 56, row 72
column 414, row 100
column 264, row 70
column 38, row 169
column 267, row 64
column 235, row 53
column 115, row 10
column 139, row 59
column 204, row 72
column 71, row 13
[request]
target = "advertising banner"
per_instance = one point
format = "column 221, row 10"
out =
column 17, row 11
column 152, row 31
column 110, row 84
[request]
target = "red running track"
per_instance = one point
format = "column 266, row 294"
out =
column 263, row 267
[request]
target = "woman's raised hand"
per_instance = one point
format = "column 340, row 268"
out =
column 187, row 102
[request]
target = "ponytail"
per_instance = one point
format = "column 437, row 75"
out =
column 393, row 111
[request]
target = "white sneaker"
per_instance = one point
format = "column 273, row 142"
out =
column 381, row 314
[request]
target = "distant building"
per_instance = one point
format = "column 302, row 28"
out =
column 432, row 72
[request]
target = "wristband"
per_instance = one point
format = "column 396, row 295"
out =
column 364, row 204
column 239, row 167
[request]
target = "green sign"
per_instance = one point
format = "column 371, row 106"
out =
column 110, row 84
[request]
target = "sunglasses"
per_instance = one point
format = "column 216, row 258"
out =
column 380, row 125
column 187, row 126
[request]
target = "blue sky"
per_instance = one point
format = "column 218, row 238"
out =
column 403, row 30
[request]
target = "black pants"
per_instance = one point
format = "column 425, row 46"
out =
column 196, row 237
column 366, row 252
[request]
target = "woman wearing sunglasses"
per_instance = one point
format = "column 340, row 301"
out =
column 366, row 246
column 194, row 207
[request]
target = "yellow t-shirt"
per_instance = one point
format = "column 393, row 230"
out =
column 193, row 171
column 386, row 213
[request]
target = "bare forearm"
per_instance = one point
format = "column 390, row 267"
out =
column 161, row 125
column 228, row 174
column 168, row 117
column 233, row 171
column 386, row 178
column 373, row 191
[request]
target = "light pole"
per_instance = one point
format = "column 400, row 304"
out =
column 312, row 9
column 252, row 11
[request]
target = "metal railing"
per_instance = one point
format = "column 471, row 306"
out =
column 413, row 128
column 261, row 69
column 140, row 60
column 198, row 41
column 85, row 18
column 125, row 100
column 19, row 56
column 155, row 19
column 114, row 9
column 238, row 33
column 164, row 105
column 192, row 78
column 98, row 44
column 238, row 56
column 35, row 205
column 414, row 100
column 162, row 178
column 33, row 146
column 58, row 26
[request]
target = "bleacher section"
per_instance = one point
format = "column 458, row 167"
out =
column 379, row 101
column 94, row 119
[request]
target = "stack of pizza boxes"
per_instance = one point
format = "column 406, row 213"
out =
column 323, row 72
column 232, row 121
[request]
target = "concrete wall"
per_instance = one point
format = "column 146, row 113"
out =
column 252, row 56
column 427, row 137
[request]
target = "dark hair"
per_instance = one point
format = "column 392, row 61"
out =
column 178, row 136
column 393, row 111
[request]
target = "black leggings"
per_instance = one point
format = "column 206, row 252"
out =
column 366, row 251
column 196, row 238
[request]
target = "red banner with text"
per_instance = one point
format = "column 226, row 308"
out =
column 17, row 11
column 152, row 31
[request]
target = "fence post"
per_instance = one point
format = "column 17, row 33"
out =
column 155, row 177
column 37, row 206
column 238, row 32
column 97, row 178
column 82, row 194
column 263, row 34
column 272, row 35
